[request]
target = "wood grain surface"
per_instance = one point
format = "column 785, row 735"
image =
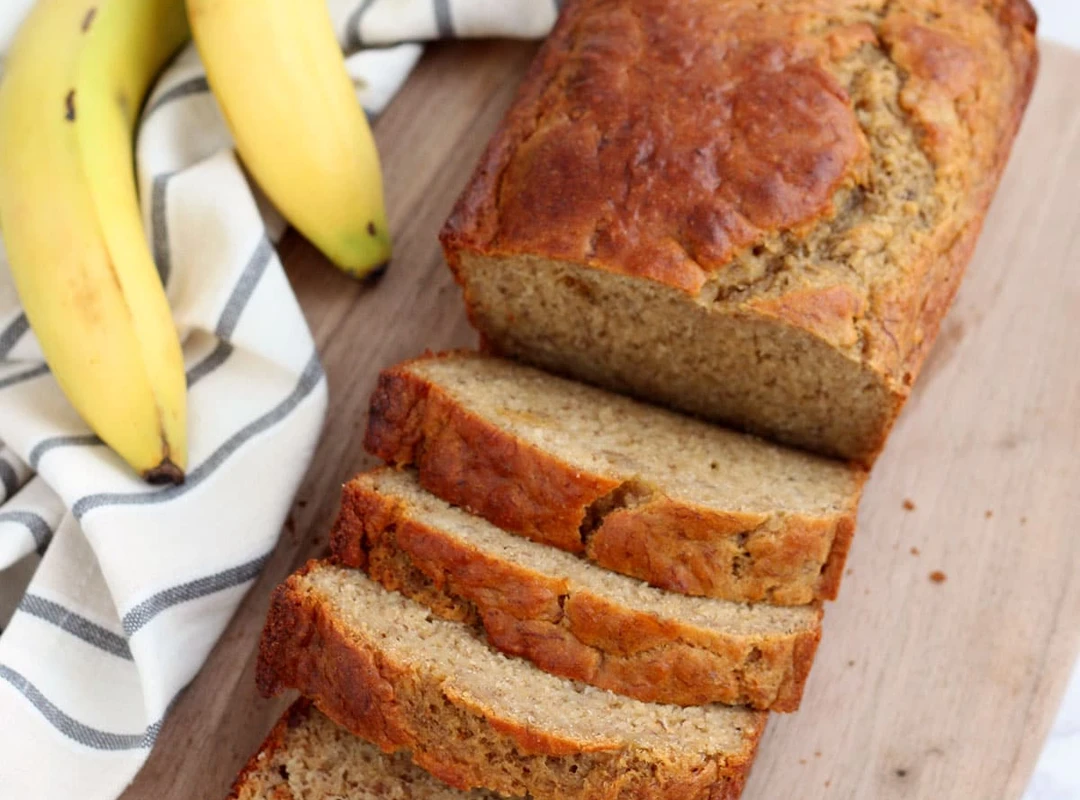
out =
column 922, row 688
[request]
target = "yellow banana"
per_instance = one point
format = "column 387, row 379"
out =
column 279, row 77
column 73, row 85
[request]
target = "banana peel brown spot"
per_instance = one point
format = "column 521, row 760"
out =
column 375, row 275
column 69, row 106
column 89, row 18
column 165, row 472
column 124, row 105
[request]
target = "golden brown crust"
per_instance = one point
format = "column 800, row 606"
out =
column 941, row 280
column 470, row 462
column 833, row 572
column 301, row 647
column 966, row 94
column 676, row 547
column 789, row 142
column 564, row 629
column 678, row 189
column 362, row 689
column 275, row 740
column 524, row 490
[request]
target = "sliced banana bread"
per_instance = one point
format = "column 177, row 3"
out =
column 570, row 617
column 758, row 212
column 679, row 503
column 308, row 757
column 380, row 665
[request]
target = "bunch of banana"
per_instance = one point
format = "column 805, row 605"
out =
column 74, row 82
column 278, row 75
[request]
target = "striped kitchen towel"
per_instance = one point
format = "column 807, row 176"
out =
column 113, row 592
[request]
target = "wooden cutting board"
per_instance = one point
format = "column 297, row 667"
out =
column 922, row 689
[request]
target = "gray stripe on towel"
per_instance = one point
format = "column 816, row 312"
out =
column 76, row 625
column 308, row 380
column 12, row 333
column 444, row 21
column 71, row 727
column 36, row 524
column 145, row 611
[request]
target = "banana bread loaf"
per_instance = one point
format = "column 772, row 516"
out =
column 676, row 502
column 381, row 666
column 567, row 616
column 308, row 757
column 754, row 212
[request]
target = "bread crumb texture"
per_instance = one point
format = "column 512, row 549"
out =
column 308, row 757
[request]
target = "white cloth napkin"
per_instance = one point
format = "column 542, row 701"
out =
column 113, row 592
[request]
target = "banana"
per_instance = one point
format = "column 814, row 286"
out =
column 74, row 82
column 280, row 80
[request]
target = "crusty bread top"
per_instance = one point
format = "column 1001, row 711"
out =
column 308, row 757
column 514, row 692
column 802, row 160
column 605, row 434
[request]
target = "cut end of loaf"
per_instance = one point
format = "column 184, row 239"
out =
column 761, row 375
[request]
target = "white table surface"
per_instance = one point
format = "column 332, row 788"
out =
column 1057, row 776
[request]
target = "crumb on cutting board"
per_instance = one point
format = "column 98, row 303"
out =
column 909, row 504
column 914, row 551
column 937, row 576
column 989, row 513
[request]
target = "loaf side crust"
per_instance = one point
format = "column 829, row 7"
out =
column 967, row 73
column 464, row 744
column 790, row 559
column 565, row 629
column 251, row 783
column 941, row 279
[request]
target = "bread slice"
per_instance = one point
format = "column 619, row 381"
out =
column 570, row 617
column 308, row 757
column 676, row 502
column 380, row 665
column 758, row 212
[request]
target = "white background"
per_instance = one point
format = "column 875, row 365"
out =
column 1060, row 20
